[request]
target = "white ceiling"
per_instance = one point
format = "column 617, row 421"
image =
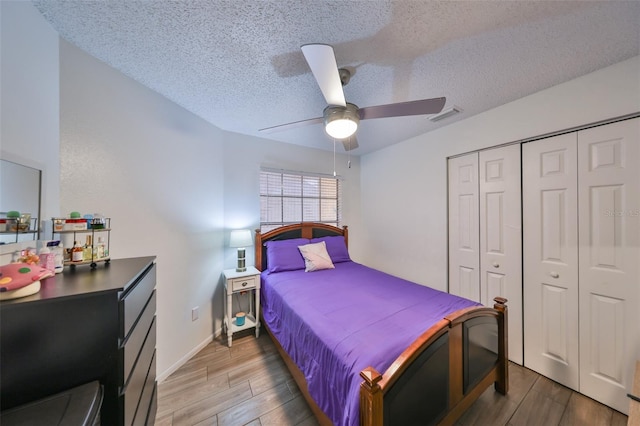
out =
column 238, row 63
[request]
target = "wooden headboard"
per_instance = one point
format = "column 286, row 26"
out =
column 297, row 230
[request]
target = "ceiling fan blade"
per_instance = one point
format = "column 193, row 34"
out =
column 350, row 143
column 293, row 125
column 322, row 62
column 420, row 107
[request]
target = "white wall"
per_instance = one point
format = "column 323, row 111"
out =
column 404, row 187
column 29, row 97
column 174, row 187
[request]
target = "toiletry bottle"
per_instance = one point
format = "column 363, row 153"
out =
column 58, row 251
column 87, row 251
column 66, row 253
column 47, row 258
column 100, row 249
column 76, row 252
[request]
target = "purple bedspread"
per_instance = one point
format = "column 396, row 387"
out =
column 336, row 322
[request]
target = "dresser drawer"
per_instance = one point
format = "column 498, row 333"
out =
column 132, row 391
column 133, row 344
column 239, row 284
column 143, row 413
column 153, row 406
column 136, row 298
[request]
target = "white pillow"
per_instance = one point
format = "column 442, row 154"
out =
column 316, row 257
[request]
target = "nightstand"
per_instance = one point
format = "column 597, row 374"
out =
column 237, row 282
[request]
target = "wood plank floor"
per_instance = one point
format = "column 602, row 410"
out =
column 249, row 384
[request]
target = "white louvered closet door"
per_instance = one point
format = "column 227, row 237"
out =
column 609, row 239
column 485, row 248
column 501, row 236
column 464, row 259
column 550, row 257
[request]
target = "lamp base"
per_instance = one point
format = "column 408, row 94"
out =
column 241, row 261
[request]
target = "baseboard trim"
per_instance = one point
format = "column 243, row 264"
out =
column 163, row 376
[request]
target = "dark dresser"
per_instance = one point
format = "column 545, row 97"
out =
column 85, row 325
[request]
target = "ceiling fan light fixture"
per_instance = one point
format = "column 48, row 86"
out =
column 341, row 122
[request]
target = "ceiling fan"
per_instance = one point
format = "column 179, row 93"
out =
column 341, row 118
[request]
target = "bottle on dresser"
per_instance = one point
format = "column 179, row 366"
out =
column 101, row 250
column 58, row 252
column 47, row 258
column 87, row 250
column 76, row 252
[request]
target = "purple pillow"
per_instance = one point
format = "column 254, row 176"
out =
column 336, row 248
column 283, row 255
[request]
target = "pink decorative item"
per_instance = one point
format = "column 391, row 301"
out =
column 21, row 279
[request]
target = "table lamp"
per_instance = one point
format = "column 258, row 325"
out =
column 241, row 238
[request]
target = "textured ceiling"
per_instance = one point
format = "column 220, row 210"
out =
column 238, row 63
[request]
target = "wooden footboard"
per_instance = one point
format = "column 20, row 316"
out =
column 442, row 373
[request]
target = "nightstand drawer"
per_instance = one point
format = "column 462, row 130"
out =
column 246, row 283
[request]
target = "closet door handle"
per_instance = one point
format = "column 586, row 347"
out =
column 496, row 265
column 554, row 275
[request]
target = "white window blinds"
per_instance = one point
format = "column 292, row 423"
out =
column 293, row 197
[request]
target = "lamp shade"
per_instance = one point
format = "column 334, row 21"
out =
column 240, row 238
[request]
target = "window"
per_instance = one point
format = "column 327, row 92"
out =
column 294, row 197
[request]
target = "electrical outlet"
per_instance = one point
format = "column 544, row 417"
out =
column 194, row 314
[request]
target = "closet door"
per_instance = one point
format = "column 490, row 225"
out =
column 464, row 259
column 501, row 236
column 609, row 237
column 550, row 258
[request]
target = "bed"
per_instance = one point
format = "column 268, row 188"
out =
column 372, row 349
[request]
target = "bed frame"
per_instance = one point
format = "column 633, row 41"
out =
column 437, row 378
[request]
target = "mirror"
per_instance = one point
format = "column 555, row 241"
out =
column 20, row 188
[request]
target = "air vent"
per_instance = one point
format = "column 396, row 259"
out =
column 445, row 113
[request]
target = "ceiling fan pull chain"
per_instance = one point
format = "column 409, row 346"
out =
column 334, row 158
column 349, row 154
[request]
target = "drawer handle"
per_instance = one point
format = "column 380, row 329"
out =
column 555, row 275
column 244, row 284
column 496, row 265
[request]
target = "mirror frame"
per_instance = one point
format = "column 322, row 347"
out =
column 5, row 156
